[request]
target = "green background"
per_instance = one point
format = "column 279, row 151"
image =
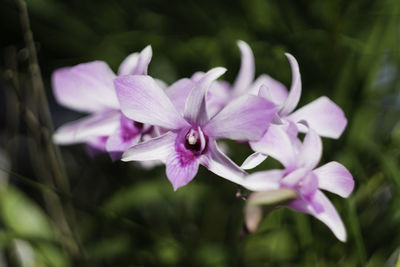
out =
column 129, row 216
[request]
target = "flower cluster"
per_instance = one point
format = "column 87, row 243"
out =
column 135, row 117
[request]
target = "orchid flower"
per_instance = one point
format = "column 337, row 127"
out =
column 322, row 115
column 89, row 88
column 300, row 160
column 189, row 138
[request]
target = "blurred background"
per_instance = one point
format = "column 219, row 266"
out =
column 85, row 211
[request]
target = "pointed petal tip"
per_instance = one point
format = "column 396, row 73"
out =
column 288, row 55
column 242, row 44
column 253, row 160
column 125, row 156
column 217, row 71
column 147, row 50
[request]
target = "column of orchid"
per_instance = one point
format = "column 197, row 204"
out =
column 135, row 117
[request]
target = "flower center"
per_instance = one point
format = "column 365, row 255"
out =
column 195, row 140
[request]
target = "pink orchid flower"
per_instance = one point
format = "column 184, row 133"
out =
column 89, row 88
column 190, row 136
column 324, row 116
column 300, row 160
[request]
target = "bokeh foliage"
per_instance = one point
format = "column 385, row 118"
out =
column 129, row 216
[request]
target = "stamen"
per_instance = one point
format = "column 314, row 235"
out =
column 195, row 140
column 192, row 140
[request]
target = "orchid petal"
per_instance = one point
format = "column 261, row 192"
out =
column 195, row 107
column 96, row 145
column 136, row 63
column 260, row 202
column 178, row 93
column 143, row 61
column 101, row 124
column 310, row 151
column 218, row 163
column 163, row 85
column 277, row 144
column 245, row 118
column 323, row 115
column 329, row 215
column 295, row 89
column 217, row 97
column 246, row 72
column 180, row 172
column 335, row 178
column 293, row 179
column 264, row 92
column 128, row 65
column 144, row 101
column 158, row 148
column 262, row 181
column 116, row 144
column 80, row 131
column 86, row 87
column 253, row 160
column 278, row 92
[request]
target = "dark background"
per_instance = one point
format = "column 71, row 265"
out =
column 125, row 215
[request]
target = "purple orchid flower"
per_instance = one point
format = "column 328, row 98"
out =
column 322, row 115
column 300, row 160
column 89, row 88
column 190, row 138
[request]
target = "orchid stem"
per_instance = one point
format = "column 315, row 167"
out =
column 44, row 154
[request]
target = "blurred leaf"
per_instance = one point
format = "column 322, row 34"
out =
column 23, row 216
column 109, row 248
column 50, row 255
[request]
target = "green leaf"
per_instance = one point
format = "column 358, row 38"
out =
column 23, row 216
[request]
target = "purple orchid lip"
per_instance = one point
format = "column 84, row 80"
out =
column 196, row 141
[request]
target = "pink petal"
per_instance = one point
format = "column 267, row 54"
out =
column 181, row 171
column 217, row 162
column 195, row 106
column 278, row 92
column 277, row 144
column 245, row 118
column 246, row 72
column 178, row 93
column 96, row 145
column 80, row 131
column 253, row 160
column 86, row 87
column 143, row 61
column 311, row 150
column 136, row 63
column 263, row 181
column 158, row 148
column 323, row 115
column 295, row 89
column 101, row 124
column 335, row 178
column 218, row 96
column 293, row 179
column 329, row 215
column 116, row 144
column 142, row 100
column 128, row 65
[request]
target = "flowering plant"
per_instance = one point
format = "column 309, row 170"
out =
column 135, row 117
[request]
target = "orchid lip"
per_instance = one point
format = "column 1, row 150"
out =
column 195, row 140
